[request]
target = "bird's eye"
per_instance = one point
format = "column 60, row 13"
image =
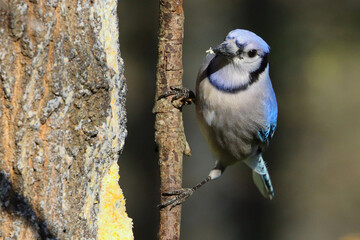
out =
column 252, row 53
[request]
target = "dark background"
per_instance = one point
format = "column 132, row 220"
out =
column 314, row 157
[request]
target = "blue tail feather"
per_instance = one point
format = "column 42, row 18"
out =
column 263, row 183
column 261, row 176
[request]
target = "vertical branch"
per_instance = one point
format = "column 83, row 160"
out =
column 169, row 130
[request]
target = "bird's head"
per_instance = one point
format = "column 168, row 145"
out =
column 245, row 49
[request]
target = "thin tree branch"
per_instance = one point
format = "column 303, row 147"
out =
column 169, row 130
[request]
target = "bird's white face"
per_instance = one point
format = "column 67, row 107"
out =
column 249, row 59
column 245, row 49
column 239, row 61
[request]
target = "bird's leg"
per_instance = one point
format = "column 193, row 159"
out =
column 184, row 95
column 181, row 195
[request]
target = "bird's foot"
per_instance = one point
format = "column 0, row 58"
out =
column 180, row 196
column 181, row 96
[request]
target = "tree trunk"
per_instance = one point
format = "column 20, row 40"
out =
column 169, row 129
column 62, row 121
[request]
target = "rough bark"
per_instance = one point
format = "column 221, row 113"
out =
column 62, row 121
column 169, row 130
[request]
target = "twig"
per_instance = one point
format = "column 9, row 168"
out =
column 169, row 130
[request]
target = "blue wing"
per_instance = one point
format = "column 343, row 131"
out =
column 271, row 111
column 266, row 134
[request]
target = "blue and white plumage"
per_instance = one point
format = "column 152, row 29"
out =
column 236, row 108
column 236, row 105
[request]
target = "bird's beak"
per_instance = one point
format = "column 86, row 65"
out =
column 220, row 49
column 227, row 49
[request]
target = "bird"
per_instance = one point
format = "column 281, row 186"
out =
column 236, row 109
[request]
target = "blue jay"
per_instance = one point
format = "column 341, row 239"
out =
column 236, row 108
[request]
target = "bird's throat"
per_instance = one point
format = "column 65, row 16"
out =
column 226, row 77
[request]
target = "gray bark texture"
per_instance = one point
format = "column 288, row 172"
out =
column 62, row 121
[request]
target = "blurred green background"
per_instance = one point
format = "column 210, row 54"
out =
column 314, row 158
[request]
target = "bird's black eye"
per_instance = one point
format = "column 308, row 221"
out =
column 252, row 53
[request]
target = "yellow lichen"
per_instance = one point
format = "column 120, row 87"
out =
column 113, row 221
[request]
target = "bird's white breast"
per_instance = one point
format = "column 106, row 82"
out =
column 230, row 121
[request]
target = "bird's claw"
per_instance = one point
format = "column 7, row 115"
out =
column 184, row 95
column 180, row 196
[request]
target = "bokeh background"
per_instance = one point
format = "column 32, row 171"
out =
column 314, row 158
